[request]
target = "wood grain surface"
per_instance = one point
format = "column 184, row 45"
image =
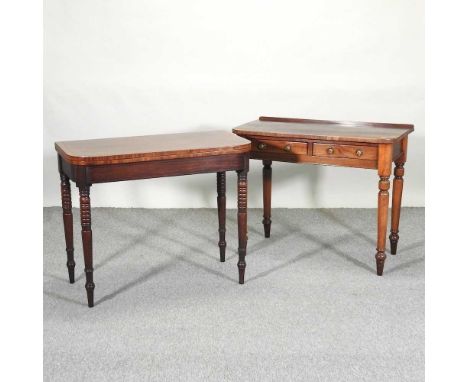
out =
column 151, row 147
column 370, row 132
column 368, row 145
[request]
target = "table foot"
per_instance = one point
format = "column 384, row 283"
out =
column 393, row 242
column 71, row 268
column 241, row 267
column 89, row 286
column 380, row 261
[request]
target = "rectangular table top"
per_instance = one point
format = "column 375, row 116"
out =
column 368, row 132
column 151, row 147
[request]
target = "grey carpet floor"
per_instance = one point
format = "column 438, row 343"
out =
column 312, row 308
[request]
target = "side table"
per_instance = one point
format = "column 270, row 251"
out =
column 367, row 145
column 93, row 161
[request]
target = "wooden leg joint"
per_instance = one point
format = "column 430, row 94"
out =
column 384, row 185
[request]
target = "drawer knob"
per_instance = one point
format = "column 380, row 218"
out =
column 359, row 153
column 330, row 150
column 261, row 146
column 287, row 148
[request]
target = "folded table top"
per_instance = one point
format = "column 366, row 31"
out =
column 368, row 132
column 151, row 147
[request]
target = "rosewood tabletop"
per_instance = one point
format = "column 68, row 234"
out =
column 366, row 145
column 87, row 162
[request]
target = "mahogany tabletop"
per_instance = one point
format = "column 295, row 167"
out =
column 369, row 132
column 151, row 147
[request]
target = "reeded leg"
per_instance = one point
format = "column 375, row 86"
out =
column 242, row 221
column 221, row 187
column 267, row 197
column 68, row 225
column 87, row 237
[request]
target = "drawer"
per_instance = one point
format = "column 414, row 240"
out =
column 332, row 150
column 285, row 147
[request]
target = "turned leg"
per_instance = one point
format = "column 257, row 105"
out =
column 267, row 197
column 87, row 237
column 242, row 221
column 380, row 256
column 384, row 169
column 68, row 224
column 396, row 197
column 396, row 206
column 221, row 187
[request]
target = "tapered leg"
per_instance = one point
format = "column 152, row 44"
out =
column 221, row 187
column 384, row 170
column 87, row 237
column 68, row 224
column 242, row 221
column 267, row 197
column 396, row 206
column 396, row 197
column 384, row 185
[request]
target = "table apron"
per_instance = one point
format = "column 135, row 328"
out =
column 295, row 158
column 154, row 169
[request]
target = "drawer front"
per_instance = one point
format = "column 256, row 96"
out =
column 285, row 147
column 332, row 150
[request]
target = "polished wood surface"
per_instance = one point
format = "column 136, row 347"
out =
column 68, row 224
column 316, row 159
column 369, row 132
column 286, row 145
column 181, row 154
column 242, row 221
column 397, row 196
column 266, row 197
column 279, row 146
column 151, row 147
column 384, row 170
column 221, row 201
column 333, row 150
column 153, row 169
column 366, row 145
column 87, row 239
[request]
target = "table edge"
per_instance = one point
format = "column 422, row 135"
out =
column 250, row 133
column 408, row 128
column 335, row 122
column 149, row 156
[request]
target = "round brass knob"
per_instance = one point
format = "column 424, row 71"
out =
column 359, row 153
column 261, row 146
column 330, row 150
column 287, row 148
